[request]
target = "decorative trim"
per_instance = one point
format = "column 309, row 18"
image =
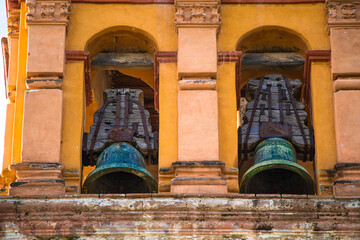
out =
column 312, row 56
column 125, row 1
column 13, row 21
column 222, row 2
column 47, row 12
column 72, row 55
column 270, row 1
column 50, row 82
column 12, row 4
column 343, row 13
column 198, row 84
column 197, row 13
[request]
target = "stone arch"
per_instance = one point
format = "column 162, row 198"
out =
column 136, row 33
column 121, row 57
column 288, row 34
column 272, row 50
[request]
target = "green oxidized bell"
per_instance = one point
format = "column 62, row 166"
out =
column 120, row 168
column 276, row 171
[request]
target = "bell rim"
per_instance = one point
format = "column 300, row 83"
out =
column 277, row 163
column 123, row 167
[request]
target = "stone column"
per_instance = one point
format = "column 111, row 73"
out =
column 344, row 29
column 40, row 170
column 198, row 169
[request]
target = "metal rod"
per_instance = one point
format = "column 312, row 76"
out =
column 117, row 119
column 126, row 119
column 146, row 131
column 252, row 116
column 269, row 102
column 262, row 109
column 93, row 140
column 280, row 104
column 297, row 117
column 288, row 109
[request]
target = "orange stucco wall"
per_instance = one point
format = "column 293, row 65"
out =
column 156, row 21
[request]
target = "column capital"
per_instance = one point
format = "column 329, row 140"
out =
column 13, row 22
column 190, row 13
column 48, row 12
column 343, row 13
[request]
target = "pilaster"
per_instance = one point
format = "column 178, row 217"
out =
column 344, row 30
column 198, row 169
column 40, row 170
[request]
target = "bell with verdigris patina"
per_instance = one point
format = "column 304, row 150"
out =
column 120, row 168
column 276, row 171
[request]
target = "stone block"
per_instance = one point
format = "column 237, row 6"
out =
column 198, row 125
column 197, row 54
column 46, row 50
column 347, row 125
column 42, row 125
column 345, row 51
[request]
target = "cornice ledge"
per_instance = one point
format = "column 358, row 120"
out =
column 116, row 215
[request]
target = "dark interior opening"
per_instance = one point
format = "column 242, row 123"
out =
column 278, row 181
column 119, row 182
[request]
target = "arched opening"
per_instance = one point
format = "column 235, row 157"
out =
column 272, row 69
column 272, row 50
column 121, row 110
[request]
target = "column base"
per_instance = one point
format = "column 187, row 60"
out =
column 37, row 179
column 347, row 179
column 199, row 177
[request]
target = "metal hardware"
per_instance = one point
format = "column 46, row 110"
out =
column 119, row 133
column 276, row 125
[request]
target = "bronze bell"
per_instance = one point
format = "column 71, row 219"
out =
column 276, row 171
column 120, row 168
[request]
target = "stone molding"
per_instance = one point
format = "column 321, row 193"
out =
column 13, row 21
column 347, row 179
column 197, row 84
column 45, row 12
column 343, row 13
column 346, row 84
column 44, row 82
column 164, row 216
column 37, row 178
column 186, row 172
column 197, row 13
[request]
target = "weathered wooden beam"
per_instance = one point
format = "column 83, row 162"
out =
column 122, row 61
column 272, row 61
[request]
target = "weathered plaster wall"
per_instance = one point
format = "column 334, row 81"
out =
column 73, row 115
column 157, row 21
column 307, row 20
column 323, row 119
column 165, row 216
column 168, row 115
column 227, row 114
